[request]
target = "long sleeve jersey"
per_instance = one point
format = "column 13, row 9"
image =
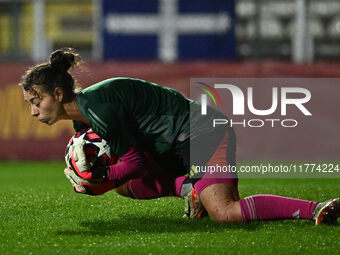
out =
column 126, row 112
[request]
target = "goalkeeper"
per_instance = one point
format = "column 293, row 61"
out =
column 136, row 175
column 128, row 112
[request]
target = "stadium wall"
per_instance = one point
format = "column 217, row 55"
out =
column 23, row 138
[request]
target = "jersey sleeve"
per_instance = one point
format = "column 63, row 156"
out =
column 119, row 130
column 108, row 117
column 131, row 166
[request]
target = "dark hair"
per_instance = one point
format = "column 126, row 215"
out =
column 54, row 73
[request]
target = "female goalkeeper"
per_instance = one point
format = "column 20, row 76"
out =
column 131, row 113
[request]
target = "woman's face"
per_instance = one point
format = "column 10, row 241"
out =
column 45, row 107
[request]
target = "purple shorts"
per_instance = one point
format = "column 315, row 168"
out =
column 220, row 152
column 149, row 187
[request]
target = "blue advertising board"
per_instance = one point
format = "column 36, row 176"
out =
column 168, row 30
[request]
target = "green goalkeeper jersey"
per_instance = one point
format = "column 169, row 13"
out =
column 126, row 111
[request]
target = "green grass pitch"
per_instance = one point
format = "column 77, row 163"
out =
column 40, row 214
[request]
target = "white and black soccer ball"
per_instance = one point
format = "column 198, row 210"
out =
column 96, row 149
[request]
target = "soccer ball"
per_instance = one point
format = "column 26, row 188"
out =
column 96, row 149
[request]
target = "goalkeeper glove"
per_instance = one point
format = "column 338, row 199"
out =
column 82, row 167
column 86, row 187
column 78, row 157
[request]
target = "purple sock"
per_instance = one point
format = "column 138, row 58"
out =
column 270, row 207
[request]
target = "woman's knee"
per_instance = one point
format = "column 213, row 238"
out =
column 228, row 212
column 221, row 202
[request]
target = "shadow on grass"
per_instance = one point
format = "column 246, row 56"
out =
column 153, row 224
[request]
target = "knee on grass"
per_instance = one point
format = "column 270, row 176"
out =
column 225, row 213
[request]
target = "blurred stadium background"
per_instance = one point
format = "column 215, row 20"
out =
column 167, row 42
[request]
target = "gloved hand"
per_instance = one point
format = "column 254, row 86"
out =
column 78, row 157
column 86, row 187
column 82, row 167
